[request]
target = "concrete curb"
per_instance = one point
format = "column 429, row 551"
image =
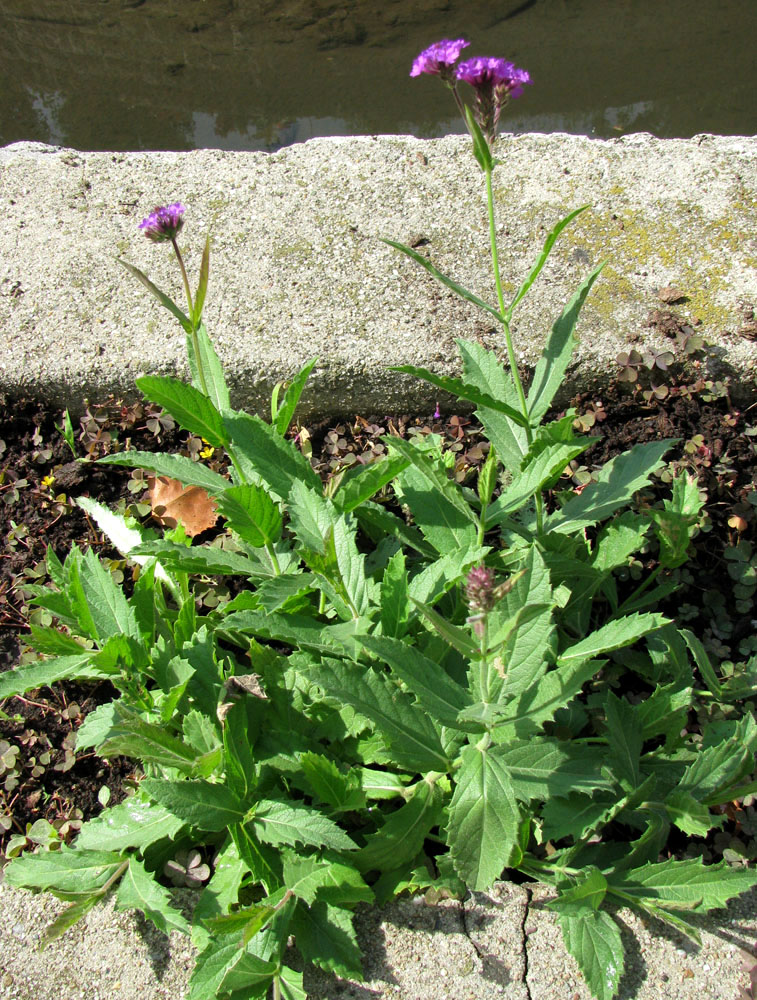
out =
column 299, row 270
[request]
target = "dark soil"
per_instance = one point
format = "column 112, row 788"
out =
column 716, row 443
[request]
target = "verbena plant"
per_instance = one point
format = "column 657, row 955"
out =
column 392, row 703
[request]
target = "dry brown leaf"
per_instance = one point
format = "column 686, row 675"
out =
column 173, row 503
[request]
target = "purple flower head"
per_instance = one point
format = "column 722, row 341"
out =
column 479, row 589
column 439, row 59
column 495, row 82
column 485, row 72
column 163, row 223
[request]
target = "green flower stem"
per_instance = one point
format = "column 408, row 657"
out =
column 508, row 337
column 483, row 667
column 274, row 561
column 190, row 303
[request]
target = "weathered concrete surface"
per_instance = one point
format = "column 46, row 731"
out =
column 500, row 946
column 298, row 268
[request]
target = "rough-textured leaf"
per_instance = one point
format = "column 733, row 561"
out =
column 295, row 823
column 70, row 916
column 614, row 635
column 44, row 672
column 202, row 804
column 124, row 536
column 364, row 481
column 252, row 514
column 547, row 769
column 340, row 791
column 290, row 984
column 587, row 890
column 624, row 737
column 219, row 957
column 395, row 603
column 106, row 606
column 406, row 728
column 328, row 880
column 325, row 936
column 551, row 367
column 139, row 890
column 722, row 764
column 401, row 837
column 593, row 939
column 275, row 459
column 619, row 479
column 536, row 474
column 533, row 274
column 462, row 292
column 462, row 390
column 160, row 296
column 135, row 822
column 68, row 870
column 690, row 815
column 133, row 736
column 688, row 884
column 483, row 818
column 202, row 559
column 206, row 356
column 439, row 695
column 175, row 466
column 292, row 398
column 191, row 408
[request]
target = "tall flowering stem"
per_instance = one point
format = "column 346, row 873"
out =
column 163, row 225
column 494, row 82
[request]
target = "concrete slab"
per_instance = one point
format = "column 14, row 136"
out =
column 299, row 270
column 499, row 946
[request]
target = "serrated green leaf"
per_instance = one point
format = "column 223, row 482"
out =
column 294, row 823
column 133, row 736
column 135, row 822
column 138, row 890
column 401, row 837
column 690, row 815
column 614, row 635
column 624, row 737
column 727, row 762
column 252, row 514
column 482, row 830
column 556, row 689
column 619, row 479
column 215, row 381
column 292, row 398
column 70, row 916
column 101, row 605
column 439, row 695
column 290, row 984
column 618, row 540
column 220, row 893
column 482, row 369
column 69, row 870
column 439, row 577
column 199, row 803
column 536, row 474
column 174, row 466
column 249, row 973
column 296, row 630
column 553, row 350
column 703, row 662
column 196, row 559
column 276, row 460
column 364, row 481
column 548, row 769
column 593, row 939
column 552, row 365
column 462, row 292
column 193, row 410
column 462, row 390
column 587, row 890
column 330, row 881
column 406, row 728
column 457, row 637
column 340, row 791
column 45, row 672
column 213, row 963
column 395, row 603
column 160, row 296
column 687, row 884
column 325, row 936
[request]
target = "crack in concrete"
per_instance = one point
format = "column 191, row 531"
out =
column 524, row 940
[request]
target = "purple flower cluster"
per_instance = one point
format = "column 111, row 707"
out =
column 485, row 72
column 495, row 81
column 479, row 589
column 163, row 223
column 439, row 59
